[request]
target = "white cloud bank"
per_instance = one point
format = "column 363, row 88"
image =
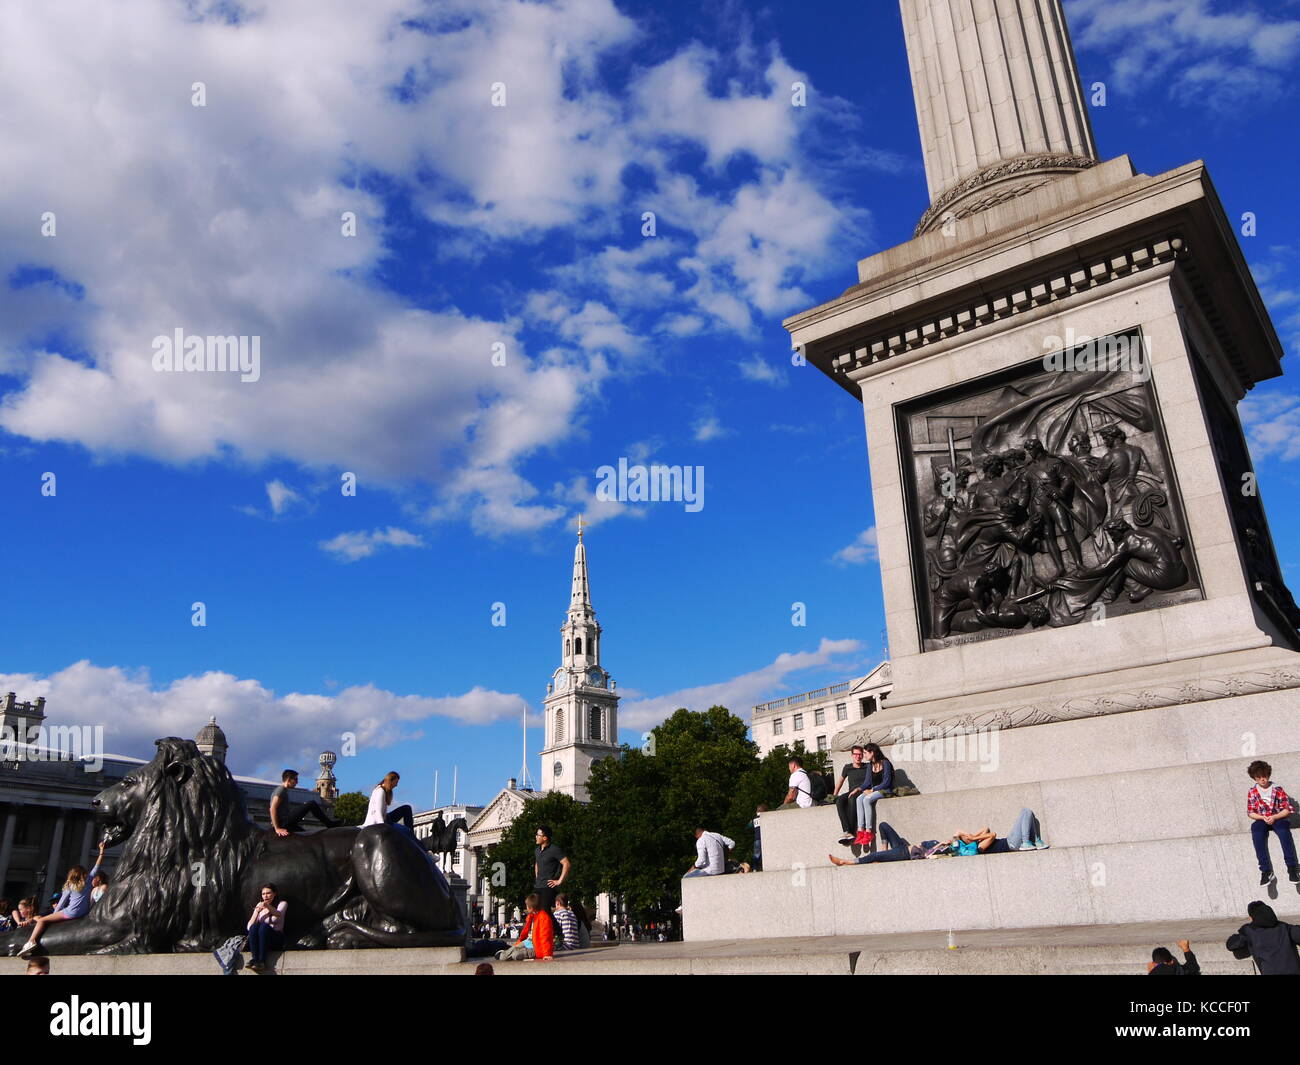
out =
column 264, row 729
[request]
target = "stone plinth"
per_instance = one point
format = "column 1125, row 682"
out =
column 381, row 961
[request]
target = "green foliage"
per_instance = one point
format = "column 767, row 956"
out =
column 350, row 807
column 517, row 849
column 697, row 769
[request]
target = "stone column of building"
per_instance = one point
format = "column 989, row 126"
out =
column 53, row 874
column 87, row 841
column 998, row 98
column 7, row 845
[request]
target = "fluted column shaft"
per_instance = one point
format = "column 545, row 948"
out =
column 994, row 80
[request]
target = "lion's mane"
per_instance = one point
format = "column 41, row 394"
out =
column 176, row 886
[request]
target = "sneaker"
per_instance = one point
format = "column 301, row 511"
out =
column 1039, row 845
column 848, row 841
column 1266, row 878
column 1293, row 873
column 27, row 948
column 847, row 837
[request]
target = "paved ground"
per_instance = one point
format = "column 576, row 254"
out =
column 1103, row 950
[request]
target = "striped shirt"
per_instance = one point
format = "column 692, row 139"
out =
column 568, row 922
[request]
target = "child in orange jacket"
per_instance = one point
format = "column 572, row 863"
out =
column 537, row 939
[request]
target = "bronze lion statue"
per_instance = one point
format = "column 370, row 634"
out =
column 193, row 863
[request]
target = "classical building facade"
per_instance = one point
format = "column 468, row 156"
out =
column 581, row 703
column 817, row 716
column 48, row 776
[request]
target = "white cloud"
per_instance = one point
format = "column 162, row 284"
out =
column 226, row 220
column 739, row 694
column 1219, row 53
column 863, row 549
column 265, row 730
column 709, row 428
column 1272, row 424
column 757, row 368
column 351, row 546
column 281, row 497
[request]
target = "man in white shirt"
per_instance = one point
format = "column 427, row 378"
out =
column 711, row 847
column 800, row 793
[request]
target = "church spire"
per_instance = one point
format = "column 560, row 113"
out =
column 581, row 598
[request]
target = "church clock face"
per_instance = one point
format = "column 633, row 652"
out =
column 558, row 770
column 561, row 681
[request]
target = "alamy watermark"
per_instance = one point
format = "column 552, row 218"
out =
column 1085, row 354
column 179, row 353
column 636, row 483
column 918, row 742
column 54, row 743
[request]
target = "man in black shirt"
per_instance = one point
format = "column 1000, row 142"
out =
column 855, row 776
column 550, row 866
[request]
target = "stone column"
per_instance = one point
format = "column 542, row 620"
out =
column 997, row 94
column 87, row 841
column 7, row 845
column 53, row 874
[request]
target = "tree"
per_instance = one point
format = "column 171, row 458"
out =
column 350, row 807
column 517, row 848
column 646, row 805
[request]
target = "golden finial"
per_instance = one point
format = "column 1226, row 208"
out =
column 579, row 526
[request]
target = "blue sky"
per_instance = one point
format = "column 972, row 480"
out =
column 521, row 226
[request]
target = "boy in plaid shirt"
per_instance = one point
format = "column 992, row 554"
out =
column 1270, row 808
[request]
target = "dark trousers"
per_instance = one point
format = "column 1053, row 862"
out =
column 262, row 938
column 848, row 812
column 401, row 815
column 1259, row 833
column 546, row 897
column 895, row 850
column 293, row 820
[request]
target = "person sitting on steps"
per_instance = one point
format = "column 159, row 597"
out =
column 854, row 775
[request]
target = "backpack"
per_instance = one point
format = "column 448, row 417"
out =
column 819, row 785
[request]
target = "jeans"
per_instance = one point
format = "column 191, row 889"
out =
column 1259, row 833
column 263, row 938
column 695, row 872
column 401, row 815
column 1026, row 830
column 895, row 850
column 867, row 808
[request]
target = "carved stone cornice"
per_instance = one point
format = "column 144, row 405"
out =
column 1201, row 689
column 971, row 314
column 1047, row 164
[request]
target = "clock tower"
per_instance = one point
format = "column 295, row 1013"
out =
column 581, row 703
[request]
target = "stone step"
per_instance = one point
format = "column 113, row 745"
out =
column 1114, row 883
column 1262, row 725
column 1202, row 799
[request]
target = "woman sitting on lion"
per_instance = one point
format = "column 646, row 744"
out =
column 72, row 904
